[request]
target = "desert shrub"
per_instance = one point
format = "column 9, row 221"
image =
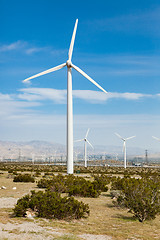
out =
column 119, row 183
column 37, row 174
column 51, row 205
column 56, row 184
column 79, row 186
column 23, row 178
column 83, row 190
column 100, row 182
column 43, row 183
column 140, row 196
column 74, row 186
column 58, row 187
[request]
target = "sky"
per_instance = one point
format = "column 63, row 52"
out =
column 117, row 44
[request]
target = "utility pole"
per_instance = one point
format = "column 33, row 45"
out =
column 146, row 156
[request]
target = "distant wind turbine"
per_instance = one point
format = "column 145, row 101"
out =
column 124, row 146
column 116, row 156
column 85, row 146
column 69, row 65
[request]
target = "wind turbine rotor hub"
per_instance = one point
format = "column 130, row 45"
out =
column 69, row 64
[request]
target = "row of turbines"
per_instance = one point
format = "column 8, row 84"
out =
column 87, row 141
column 69, row 66
column 124, row 146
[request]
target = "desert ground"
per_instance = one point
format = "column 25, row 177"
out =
column 106, row 222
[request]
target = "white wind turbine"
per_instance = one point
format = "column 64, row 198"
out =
column 69, row 65
column 116, row 154
column 124, row 146
column 85, row 146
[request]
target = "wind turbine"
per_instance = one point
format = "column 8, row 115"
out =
column 124, row 146
column 85, row 146
column 69, row 65
column 116, row 154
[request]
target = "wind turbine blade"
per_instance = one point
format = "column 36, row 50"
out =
column 45, row 72
column 89, row 78
column 72, row 41
column 130, row 137
column 120, row 136
column 156, row 138
column 89, row 143
column 87, row 133
column 79, row 140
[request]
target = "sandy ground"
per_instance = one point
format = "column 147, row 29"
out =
column 31, row 229
column 9, row 202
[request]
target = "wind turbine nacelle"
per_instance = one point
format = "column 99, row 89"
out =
column 69, row 64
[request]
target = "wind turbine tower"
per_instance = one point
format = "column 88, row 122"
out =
column 116, row 156
column 85, row 146
column 69, row 65
column 124, row 147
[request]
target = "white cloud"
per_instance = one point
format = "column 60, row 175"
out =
column 129, row 96
column 29, row 49
column 21, row 46
column 30, row 98
column 5, row 97
column 10, row 105
column 13, row 46
column 21, row 120
column 33, row 50
column 59, row 96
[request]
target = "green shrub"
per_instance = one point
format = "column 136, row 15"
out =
column 74, row 186
column 21, row 206
column 23, row 178
column 84, row 190
column 51, row 205
column 140, row 196
column 43, row 183
column 100, row 182
column 37, row 174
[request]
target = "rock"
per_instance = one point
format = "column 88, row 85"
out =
column 14, row 188
column 3, row 187
column 30, row 214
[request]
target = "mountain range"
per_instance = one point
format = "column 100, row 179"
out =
column 10, row 149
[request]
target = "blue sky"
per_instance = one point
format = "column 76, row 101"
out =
column 117, row 44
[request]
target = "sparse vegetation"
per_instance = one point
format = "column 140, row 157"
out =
column 102, row 211
column 140, row 196
column 76, row 186
column 51, row 205
column 24, row 178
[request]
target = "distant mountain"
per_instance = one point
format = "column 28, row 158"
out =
column 10, row 149
column 16, row 149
